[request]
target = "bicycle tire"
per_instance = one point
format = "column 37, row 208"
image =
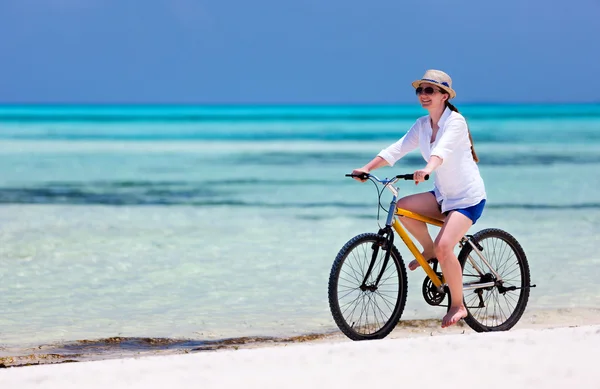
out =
column 496, row 242
column 347, row 323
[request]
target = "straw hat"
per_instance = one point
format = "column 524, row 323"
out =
column 438, row 78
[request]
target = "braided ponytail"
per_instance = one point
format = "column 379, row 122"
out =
column 473, row 153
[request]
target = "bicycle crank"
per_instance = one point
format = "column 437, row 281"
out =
column 431, row 293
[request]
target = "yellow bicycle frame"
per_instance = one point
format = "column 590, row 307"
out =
column 411, row 246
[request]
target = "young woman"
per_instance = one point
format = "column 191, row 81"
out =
column 458, row 197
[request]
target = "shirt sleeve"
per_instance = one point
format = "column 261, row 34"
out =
column 406, row 144
column 451, row 138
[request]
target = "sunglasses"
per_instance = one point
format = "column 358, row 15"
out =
column 427, row 90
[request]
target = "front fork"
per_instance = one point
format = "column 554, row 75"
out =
column 386, row 242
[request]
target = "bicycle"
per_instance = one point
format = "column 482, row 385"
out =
column 495, row 293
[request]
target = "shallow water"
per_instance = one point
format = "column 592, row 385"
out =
column 210, row 239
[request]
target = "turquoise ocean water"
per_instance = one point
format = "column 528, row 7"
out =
column 216, row 222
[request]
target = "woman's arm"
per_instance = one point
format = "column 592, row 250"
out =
column 433, row 163
column 454, row 136
column 405, row 145
column 391, row 154
column 450, row 140
column 375, row 163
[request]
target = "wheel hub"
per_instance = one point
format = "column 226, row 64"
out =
column 489, row 277
column 370, row 288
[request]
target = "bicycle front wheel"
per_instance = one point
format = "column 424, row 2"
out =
column 367, row 307
column 496, row 308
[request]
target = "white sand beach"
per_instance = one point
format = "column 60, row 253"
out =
column 550, row 358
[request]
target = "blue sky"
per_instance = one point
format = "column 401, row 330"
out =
column 296, row 51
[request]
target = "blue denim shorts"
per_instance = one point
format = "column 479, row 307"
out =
column 473, row 212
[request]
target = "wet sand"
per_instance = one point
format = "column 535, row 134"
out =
column 120, row 347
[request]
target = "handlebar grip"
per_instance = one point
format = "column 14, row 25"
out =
column 410, row 176
column 363, row 176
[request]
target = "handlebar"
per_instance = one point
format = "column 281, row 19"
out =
column 387, row 183
column 365, row 176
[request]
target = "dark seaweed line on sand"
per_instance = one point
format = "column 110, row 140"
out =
column 117, row 347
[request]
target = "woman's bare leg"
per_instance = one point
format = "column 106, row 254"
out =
column 455, row 227
column 424, row 204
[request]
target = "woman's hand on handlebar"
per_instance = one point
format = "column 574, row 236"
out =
column 359, row 172
column 419, row 175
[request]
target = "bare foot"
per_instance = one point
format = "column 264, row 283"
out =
column 414, row 264
column 454, row 315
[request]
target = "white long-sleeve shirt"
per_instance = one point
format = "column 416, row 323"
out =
column 458, row 183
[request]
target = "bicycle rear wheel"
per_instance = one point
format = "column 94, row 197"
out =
column 364, row 308
column 496, row 308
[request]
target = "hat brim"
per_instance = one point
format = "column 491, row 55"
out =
column 450, row 91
